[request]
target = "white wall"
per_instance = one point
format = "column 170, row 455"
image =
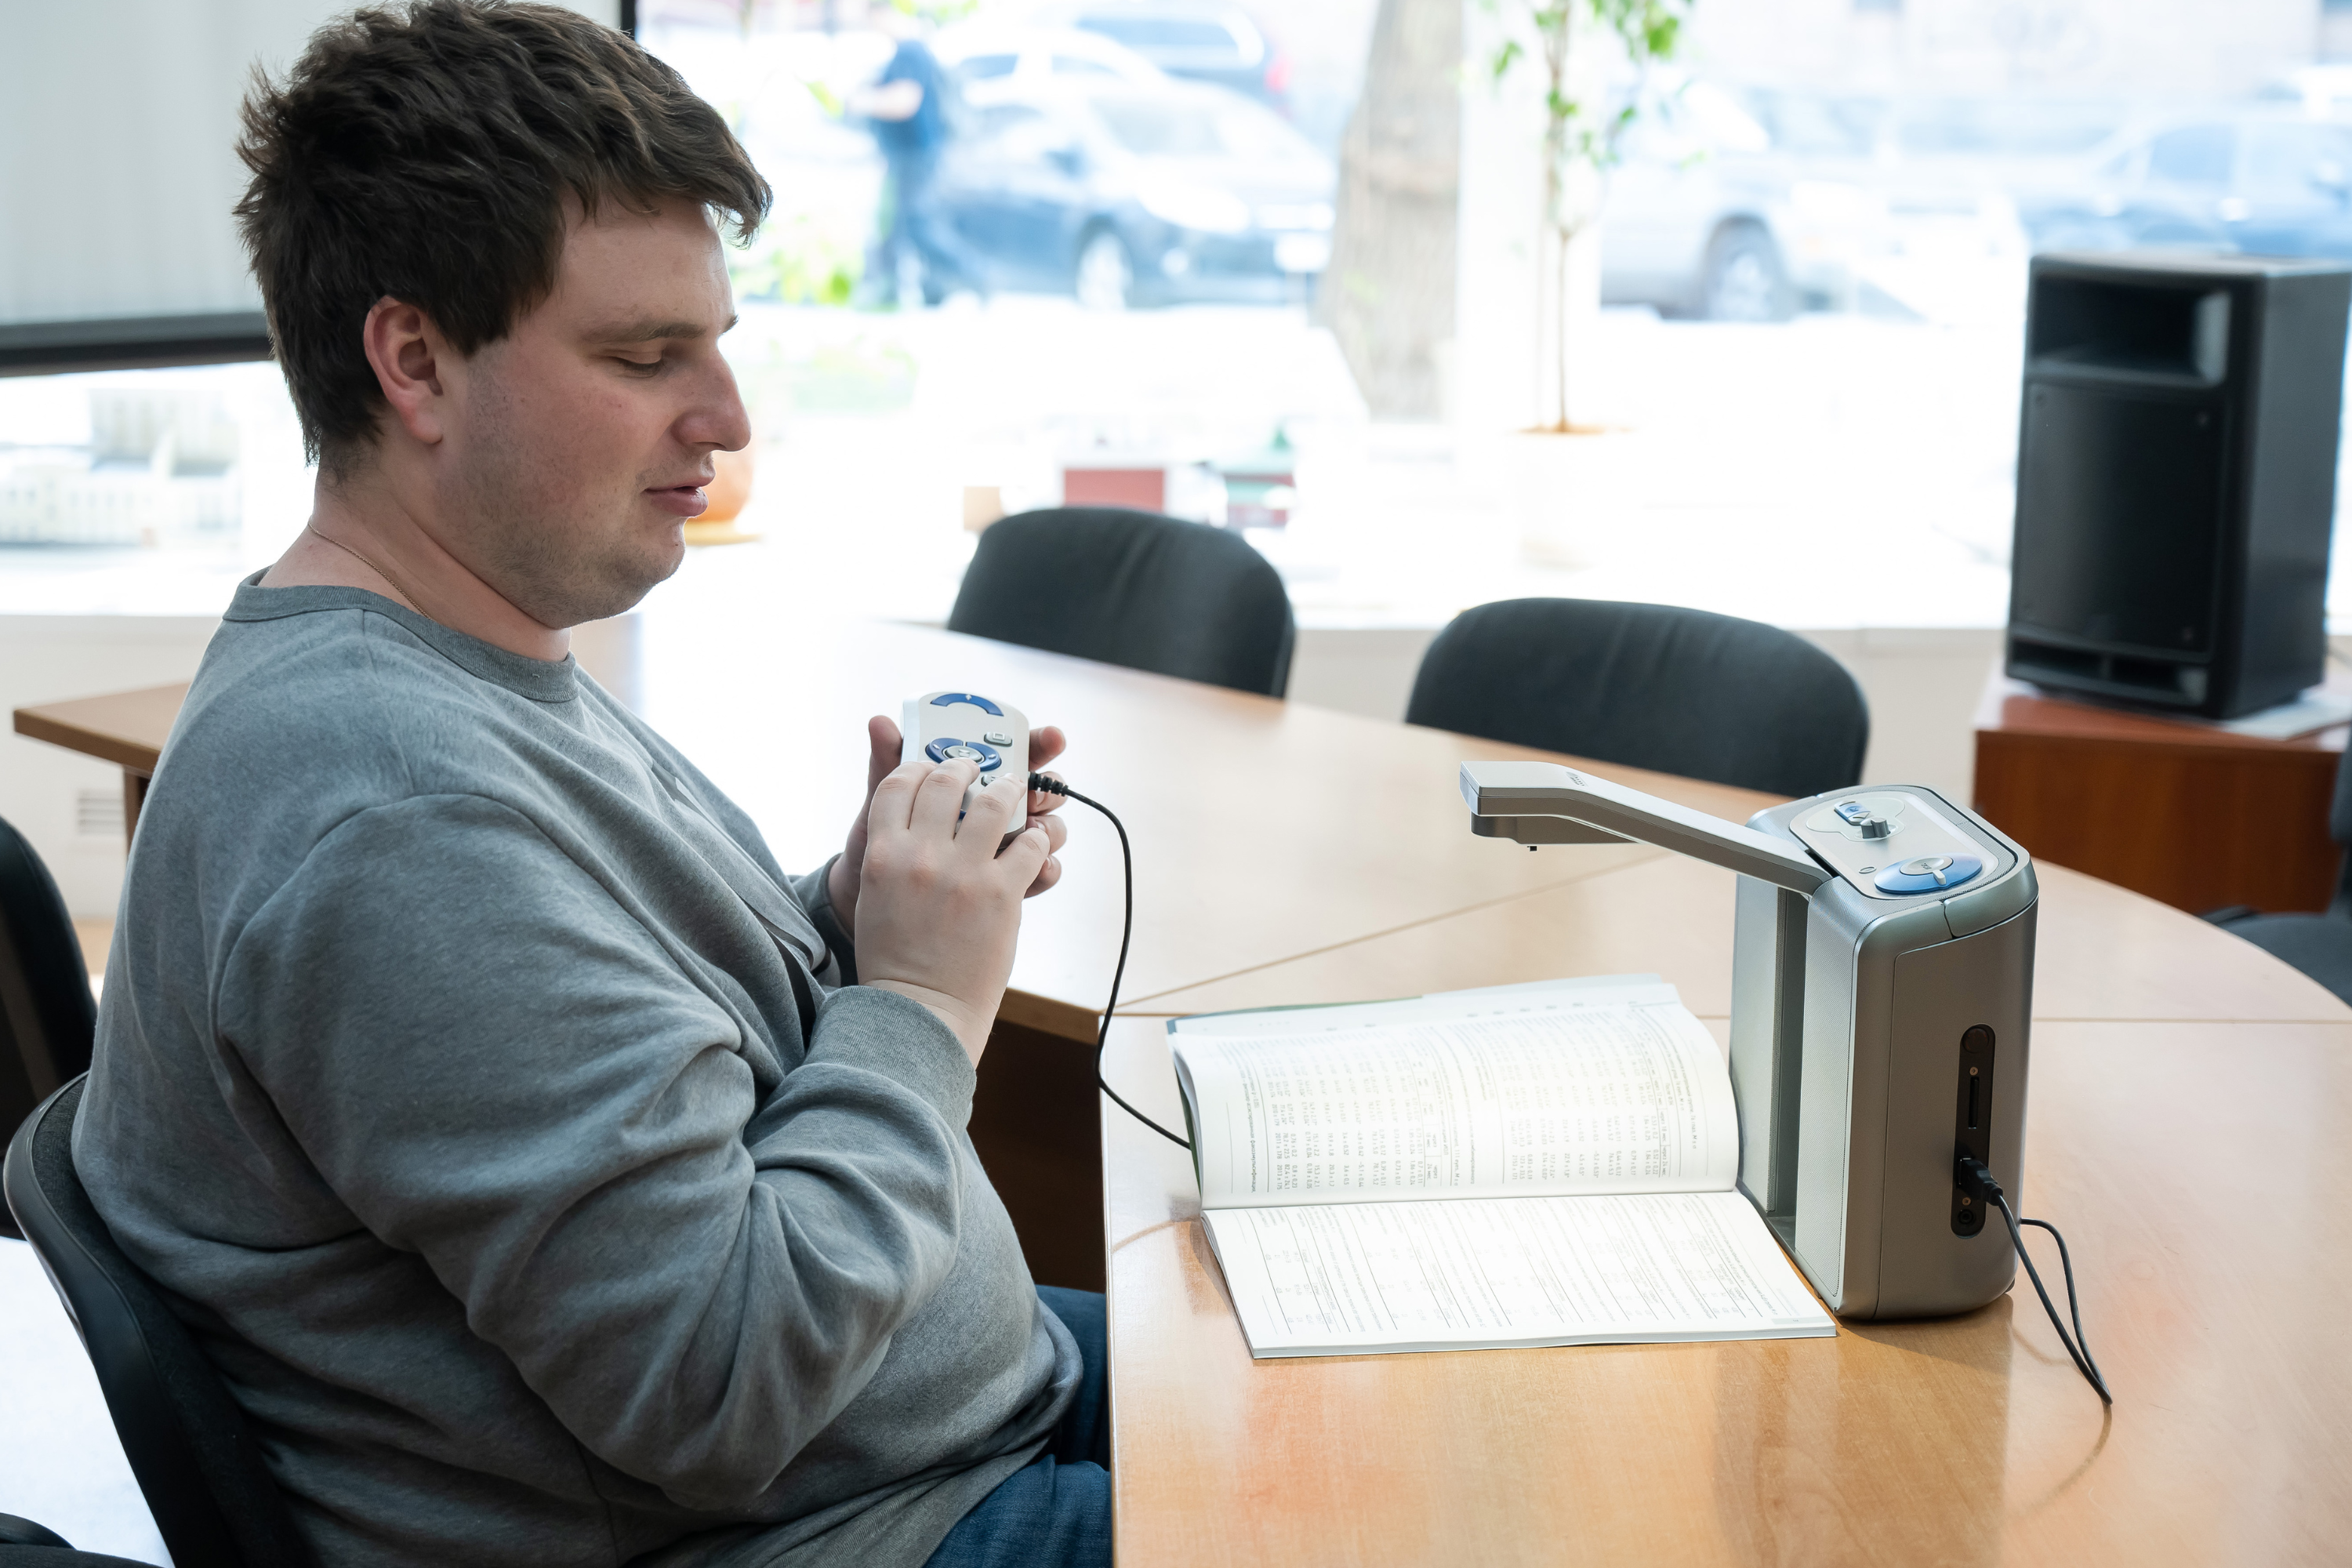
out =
column 48, row 658
column 118, row 121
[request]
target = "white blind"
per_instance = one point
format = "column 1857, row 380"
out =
column 117, row 123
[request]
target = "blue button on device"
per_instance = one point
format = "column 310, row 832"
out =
column 948, row 749
column 950, row 699
column 1929, row 874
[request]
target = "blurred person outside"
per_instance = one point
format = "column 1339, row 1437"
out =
column 907, row 106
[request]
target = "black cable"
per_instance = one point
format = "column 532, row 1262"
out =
column 1975, row 1177
column 1126, row 935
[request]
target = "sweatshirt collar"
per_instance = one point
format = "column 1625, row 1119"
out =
column 542, row 681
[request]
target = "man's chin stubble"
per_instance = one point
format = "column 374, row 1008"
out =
column 559, row 601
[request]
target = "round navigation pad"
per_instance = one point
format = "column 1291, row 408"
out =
column 948, row 749
column 1929, row 874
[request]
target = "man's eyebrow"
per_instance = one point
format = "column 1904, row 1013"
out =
column 649, row 331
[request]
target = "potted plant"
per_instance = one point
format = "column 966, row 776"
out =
column 1574, row 482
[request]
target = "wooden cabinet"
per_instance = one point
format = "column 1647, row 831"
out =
column 2188, row 814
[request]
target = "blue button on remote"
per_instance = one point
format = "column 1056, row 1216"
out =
column 1929, row 874
column 948, row 749
column 950, row 699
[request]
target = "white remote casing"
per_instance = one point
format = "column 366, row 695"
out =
column 939, row 725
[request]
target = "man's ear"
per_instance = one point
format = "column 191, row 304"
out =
column 408, row 354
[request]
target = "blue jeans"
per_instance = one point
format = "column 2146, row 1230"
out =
column 918, row 223
column 1054, row 1512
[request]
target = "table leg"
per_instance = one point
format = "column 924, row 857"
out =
column 134, row 795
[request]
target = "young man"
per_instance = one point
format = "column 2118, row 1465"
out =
column 552, row 1177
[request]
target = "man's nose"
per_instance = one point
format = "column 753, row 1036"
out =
column 718, row 417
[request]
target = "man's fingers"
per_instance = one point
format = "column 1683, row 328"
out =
column 1058, row 832
column 1025, row 857
column 1044, row 745
column 938, row 798
column 883, row 742
column 1047, row 875
column 993, row 813
column 893, row 804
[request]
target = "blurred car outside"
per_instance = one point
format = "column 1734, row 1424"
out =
column 1751, row 206
column 1199, row 40
column 2321, row 90
column 2262, row 179
column 993, row 63
column 1125, row 192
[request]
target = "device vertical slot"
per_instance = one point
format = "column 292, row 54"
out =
column 1972, row 1122
column 1790, row 911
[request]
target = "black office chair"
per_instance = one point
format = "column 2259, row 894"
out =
column 196, row 1457
column 2319, row 945
column 23, row 1544
column 1132, row 588
column 47, row 1016
column 1651, row 686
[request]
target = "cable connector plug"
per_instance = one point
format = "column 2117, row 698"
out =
column 1045, row 785
column 1972, row 1177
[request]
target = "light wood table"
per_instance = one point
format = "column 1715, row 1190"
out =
column 2185, row 1128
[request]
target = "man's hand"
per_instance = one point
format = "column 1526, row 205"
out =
column 941, row 904
column 883, row 742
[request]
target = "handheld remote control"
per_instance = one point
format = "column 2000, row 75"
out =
column 944, row 726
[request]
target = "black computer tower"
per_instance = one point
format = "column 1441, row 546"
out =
column 2176, row 478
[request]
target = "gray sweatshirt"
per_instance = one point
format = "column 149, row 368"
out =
column 490, row 1102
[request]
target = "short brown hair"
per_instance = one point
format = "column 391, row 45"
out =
column 427, row 152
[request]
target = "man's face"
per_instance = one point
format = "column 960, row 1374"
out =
column 577, row 445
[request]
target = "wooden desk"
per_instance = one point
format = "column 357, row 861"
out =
column 2185, row 1124
column 2188, row 814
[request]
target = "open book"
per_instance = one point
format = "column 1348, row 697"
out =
column 1545, row 1164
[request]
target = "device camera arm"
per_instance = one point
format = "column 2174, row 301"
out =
column 1544, row 802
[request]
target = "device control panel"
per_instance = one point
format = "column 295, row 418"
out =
column 1894, row 843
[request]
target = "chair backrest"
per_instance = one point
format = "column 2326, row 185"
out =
column 1132, row 588
column 195, row 1456
column 47, row 1016
column 1651, row 686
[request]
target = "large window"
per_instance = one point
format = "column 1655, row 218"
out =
column 1118, row 249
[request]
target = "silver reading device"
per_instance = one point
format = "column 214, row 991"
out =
column 1881, row 980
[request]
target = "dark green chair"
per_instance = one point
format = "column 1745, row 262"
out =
column 1649, row 686
column 46, row 1015
column 2320, row 945
column 1132, row 588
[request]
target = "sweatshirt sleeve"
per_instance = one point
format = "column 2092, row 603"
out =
column 496, row 1067
column 814, row 891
